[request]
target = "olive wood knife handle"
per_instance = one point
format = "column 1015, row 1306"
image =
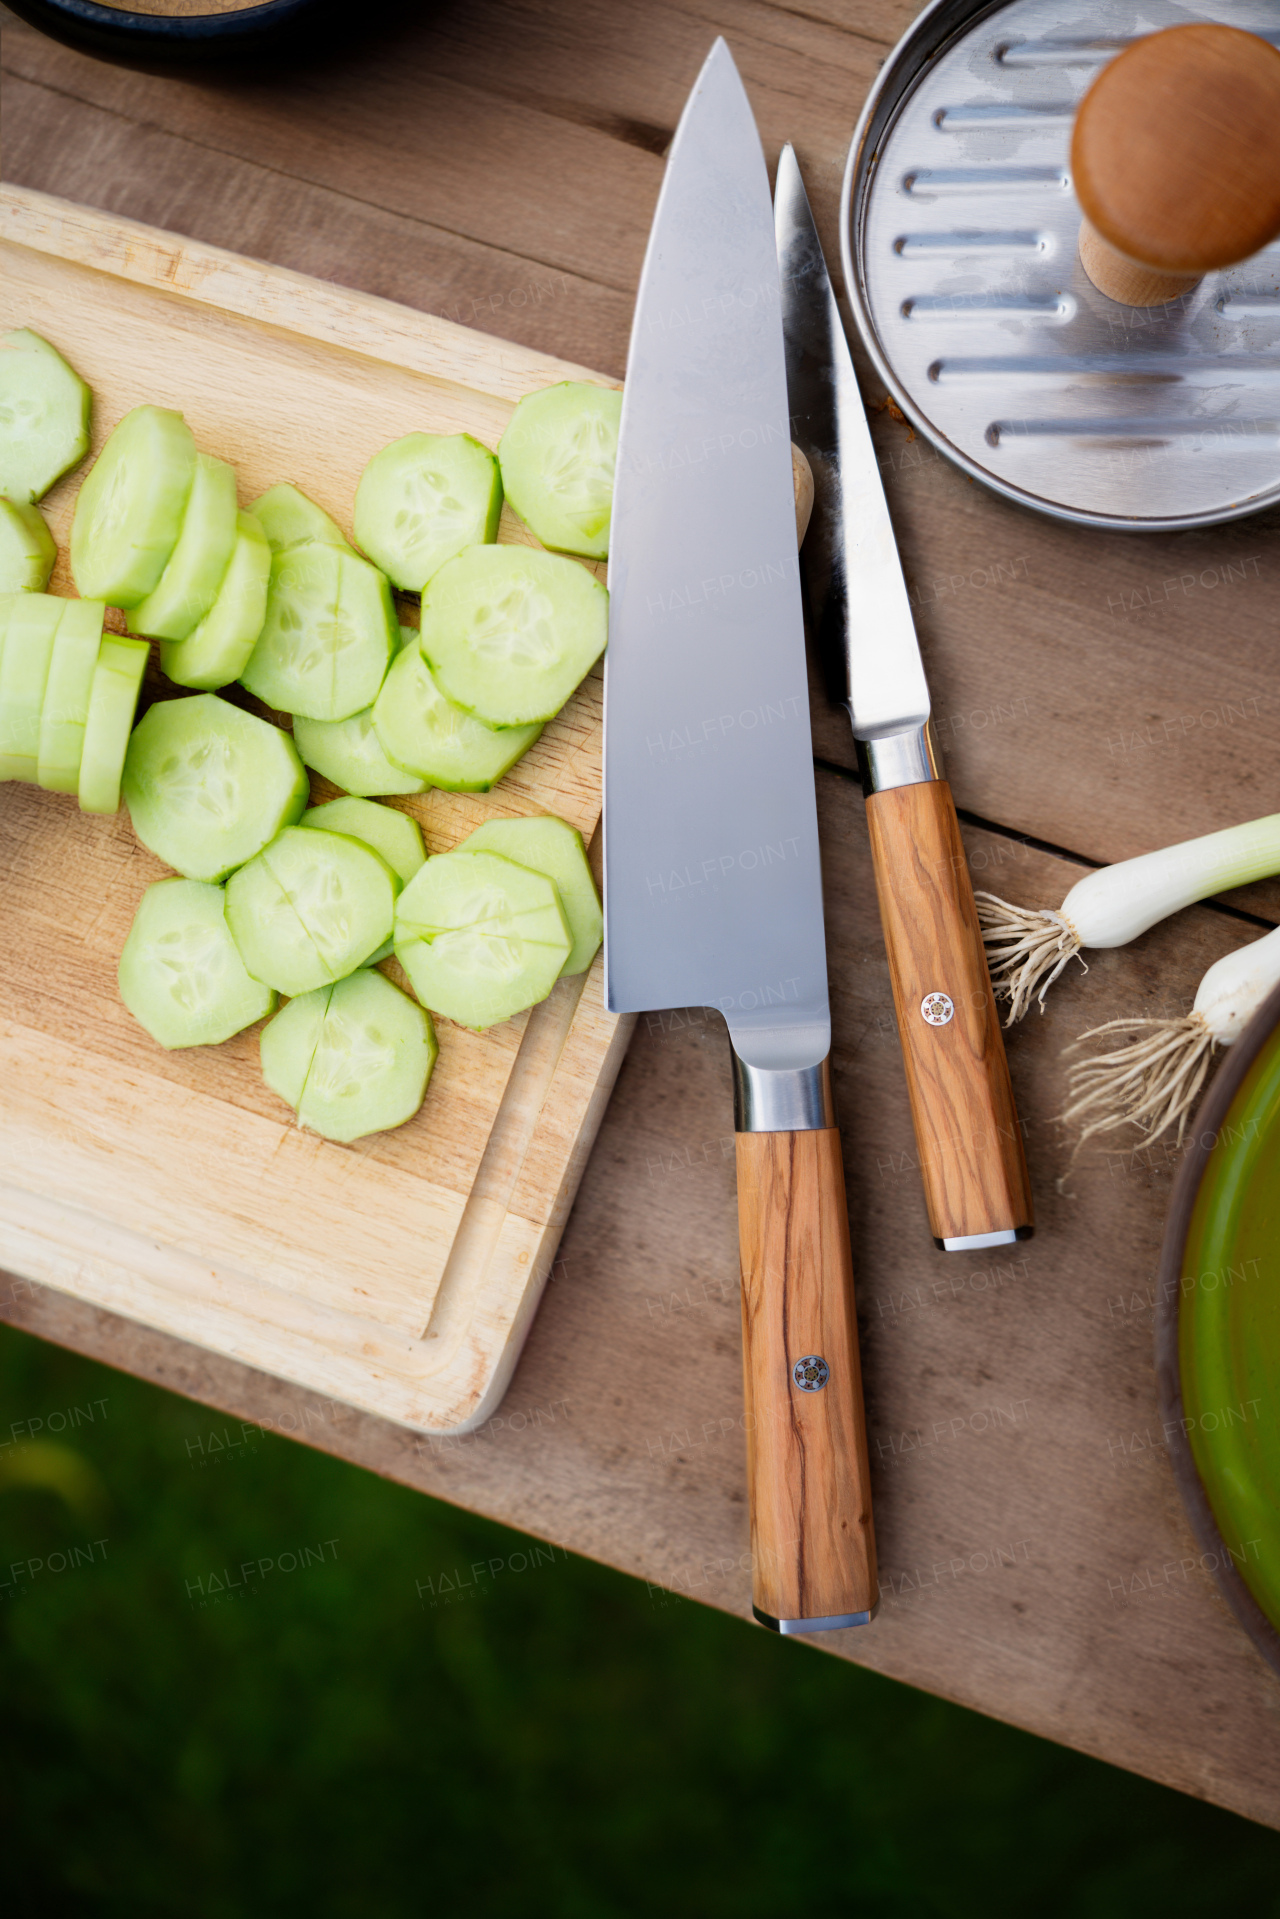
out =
column 968, row 1138
column 813, row 1549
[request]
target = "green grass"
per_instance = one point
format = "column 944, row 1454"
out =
column 547, row 1740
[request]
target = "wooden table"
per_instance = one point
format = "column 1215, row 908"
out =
column 1096, row 695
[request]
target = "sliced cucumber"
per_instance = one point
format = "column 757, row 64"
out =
column 30, row 625
column 311, row 908
column 208, row 786
column 553, row 847
column 394, row 836
column 65, row 709
column 288, row 518
column 424, row 498
column 27, row 551
column 181, row 975
column 44, row 416
column 217, row 651
column 113, row 701
column 195, row 570
column 351, row 1059
column 427, row 734
column 558, row 456
column 480, row 937
column 329, row 633
column 509, row 632
column 129, row 511
column 349, row 753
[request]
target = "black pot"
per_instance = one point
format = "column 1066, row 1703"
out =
column 254, row 36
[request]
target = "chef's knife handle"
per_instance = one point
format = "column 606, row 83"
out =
column 813, row 1549
column 967, row 1133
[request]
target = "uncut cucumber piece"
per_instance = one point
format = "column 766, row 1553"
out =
column 197, row 566
column 393, row 836
column 44, row 416
column 113, row 701
column 288, row 518
column 558, row 457
column 509, row 632
column 129, row 510
column 217, row 651
column 311, row 908
column 553, row 847
column 419, row 729
column 480, row 937
column 180, row 973
column 351, row 1059
column 422, row 500
column 328, row 636
column 64, row 711
column 208, row 786
column 30, row 624
column 27, row 550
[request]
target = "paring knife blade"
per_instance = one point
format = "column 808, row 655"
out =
column 967, row 1132
column 713, row 889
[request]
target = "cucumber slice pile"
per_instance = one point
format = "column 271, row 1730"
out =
column 480, row 937
column 27, row 551
column 329, row 634
column 422, row 731
column 422, row 500
column 29, row 629
column 271, row 899
column 311, row 908
column 194, row 571
column 350, row 1059
column 509, row 632
column 129, row 511
column 217, row 651
column 208, row 786
column 67, row 697
column 113, row 701
column 558, row 457
column 288, row 518
column 44, row 416
column 181, row 975
column 67, row 693
column 552, row 847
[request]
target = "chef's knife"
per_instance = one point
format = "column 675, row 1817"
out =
column 967, row 1134
column 713, row 891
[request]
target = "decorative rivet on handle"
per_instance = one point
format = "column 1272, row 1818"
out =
column 937, row 1008
column 811, row 1373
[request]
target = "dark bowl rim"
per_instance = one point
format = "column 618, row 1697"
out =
column 1213, row 1111
column 163, row 31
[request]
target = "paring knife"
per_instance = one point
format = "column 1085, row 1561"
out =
column 713, row 892
column 966, row 1126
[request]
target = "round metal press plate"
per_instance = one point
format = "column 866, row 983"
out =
column 959, row 234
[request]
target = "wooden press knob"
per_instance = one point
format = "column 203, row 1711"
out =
column 1176, row 161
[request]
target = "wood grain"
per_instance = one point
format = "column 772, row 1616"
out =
column 968, row 1134
column 400, row 1272
column 1101, row 693
column 813, row 1552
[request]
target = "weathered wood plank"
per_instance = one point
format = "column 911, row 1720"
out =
column 1036, row 1563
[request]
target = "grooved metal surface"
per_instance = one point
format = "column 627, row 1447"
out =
column 959, row 233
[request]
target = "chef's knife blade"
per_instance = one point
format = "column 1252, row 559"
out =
column 712, row 880
column 967, row 1131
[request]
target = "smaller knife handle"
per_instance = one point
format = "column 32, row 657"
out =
column 812, row 1546
column 968, row 1137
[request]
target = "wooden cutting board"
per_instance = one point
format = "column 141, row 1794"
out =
column 400, row 1273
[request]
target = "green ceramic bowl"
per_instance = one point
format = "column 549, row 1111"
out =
column 1218, row 1329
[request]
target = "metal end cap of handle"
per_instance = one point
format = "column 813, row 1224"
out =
column 830, row 1622
column 976, row 1242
